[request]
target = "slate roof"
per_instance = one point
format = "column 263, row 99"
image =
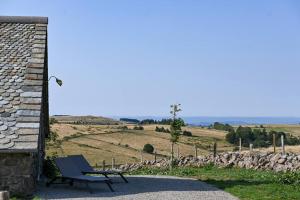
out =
column 23, row 63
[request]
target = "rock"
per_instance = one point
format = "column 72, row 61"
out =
column 4, row 195
column 281, row 160
column 226, row 156
column 224, row 160
column 275, row 158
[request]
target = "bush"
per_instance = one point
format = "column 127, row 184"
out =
column 49, row 167
column 187, row 133
column 138, row 128
column 162, row 129
column 124, row 127
column 53, row 136
column 52, row 121
column 235, row 149
column 148, row 148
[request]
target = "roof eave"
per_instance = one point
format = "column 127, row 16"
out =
column 18, row 151
column 24, row 19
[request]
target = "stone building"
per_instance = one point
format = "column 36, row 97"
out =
column 23, row 102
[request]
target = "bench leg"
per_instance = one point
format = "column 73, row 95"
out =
column 108, row 184
column 88, row 187
column 51, row 181
column 71, row 183
column 126, row 181
column 110, row 181
column 106, row 176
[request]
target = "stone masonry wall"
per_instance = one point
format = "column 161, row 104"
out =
column 17, row 173
column 258, row 161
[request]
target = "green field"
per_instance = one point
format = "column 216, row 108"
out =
column 242, row 183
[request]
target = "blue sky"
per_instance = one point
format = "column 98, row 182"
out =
column 216, row 58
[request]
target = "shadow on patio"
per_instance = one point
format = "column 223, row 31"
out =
column 147, row 186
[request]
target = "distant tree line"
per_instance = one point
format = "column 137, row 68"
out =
column 152, row 121
column 222, row 127
column 129, row 120
column 259, row 137
column 162, row 122
column 166, row 130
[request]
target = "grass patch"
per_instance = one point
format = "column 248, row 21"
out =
column 243, row 183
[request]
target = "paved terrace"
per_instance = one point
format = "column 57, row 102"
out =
column 139, row 188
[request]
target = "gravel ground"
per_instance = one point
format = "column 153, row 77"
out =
column 139, row 188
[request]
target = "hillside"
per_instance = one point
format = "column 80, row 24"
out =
column 96, row 120
column 104, row 142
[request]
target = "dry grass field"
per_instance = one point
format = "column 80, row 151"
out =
column 104, row 142
column 85, row 119
column 293, row 129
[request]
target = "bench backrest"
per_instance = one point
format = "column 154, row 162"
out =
column 67, row 167
column 81, row 163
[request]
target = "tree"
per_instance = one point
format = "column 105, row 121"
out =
column 232, row 137
column 148, row 148
column 175, row 128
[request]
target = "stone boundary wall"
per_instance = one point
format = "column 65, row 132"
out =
column 263, row 161
column 17, row 173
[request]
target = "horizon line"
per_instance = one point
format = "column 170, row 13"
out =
column 191, row 116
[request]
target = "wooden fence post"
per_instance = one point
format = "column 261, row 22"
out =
column 251, row 148
column 240, row 145
column 142, row 159
column 113, row 163
column 282, row 145
column 196, row 151
column 274, row 143
column 155, row 156
column 103, row 164
column 215, row 149
column 178, row 155
column 172, row 151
